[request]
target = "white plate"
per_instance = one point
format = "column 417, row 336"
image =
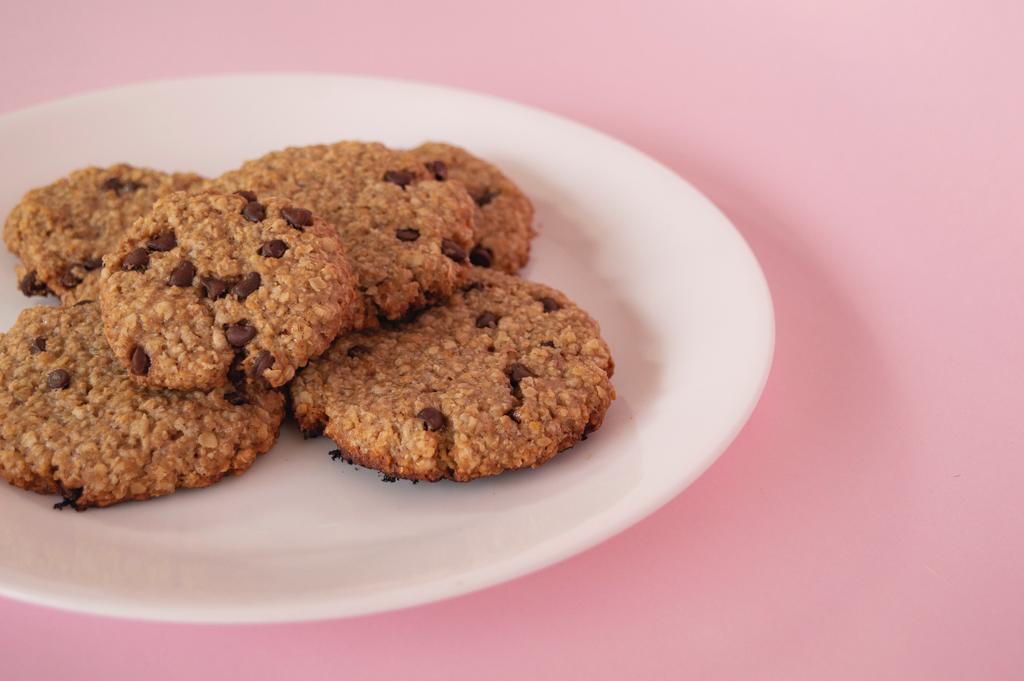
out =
column 680, row 298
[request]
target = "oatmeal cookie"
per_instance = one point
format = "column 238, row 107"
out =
column 505, row 376
column 75, row 424
column 208, row 284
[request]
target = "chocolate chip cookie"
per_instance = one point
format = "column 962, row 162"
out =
column 505, row 376
column 208, row 287
column 75, row 424
column 62, row 231
column 503, row 219
column 408, row 235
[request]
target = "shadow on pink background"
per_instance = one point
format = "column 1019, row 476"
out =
column 868, row 522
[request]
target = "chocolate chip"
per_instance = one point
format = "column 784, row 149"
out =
column 236, row 397
column 254, row 211
column 92, row 264
column 273, row 249
column 129, row 187
column 550, row 304
column 453, row 250
column 399, row 177
column 433, row 420
column 297, row 217
column 263, row 361
column 357, row 351
column 587, row 430
column 183, row 274
column 487, row 319
column 407, row 234
column 31, row 286
column 481, row 256
column 122, row 188
column 517, row 372
column 247, row 285
column 547, row 344
column 69, row 280
column 239, row 334
column 111, row 184
column 246, row 194
column 511, row 413
column 315, row 430
column 214, row 287
column 140, row 361
column 473, row 286
column 162, row 242
column 340, row 455
column 58, row 379
column 439, row 169
column 235, row 373
column 70, row 498
column 485, row 198
column 38, row 345
column 136, row 260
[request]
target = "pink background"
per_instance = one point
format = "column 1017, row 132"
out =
column 869, row 522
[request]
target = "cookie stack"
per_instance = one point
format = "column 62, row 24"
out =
column 374, row 288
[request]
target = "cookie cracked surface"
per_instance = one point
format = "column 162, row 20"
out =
column 408, row 235
column 61, row 231
column 208, row 286
column 75, row 424
column 505, row 376
column 503, row 217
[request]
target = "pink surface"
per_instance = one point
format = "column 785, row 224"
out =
column 869, row 522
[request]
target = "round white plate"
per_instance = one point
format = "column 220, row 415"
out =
column 680, row 298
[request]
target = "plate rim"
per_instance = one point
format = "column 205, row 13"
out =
column 459, row 584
